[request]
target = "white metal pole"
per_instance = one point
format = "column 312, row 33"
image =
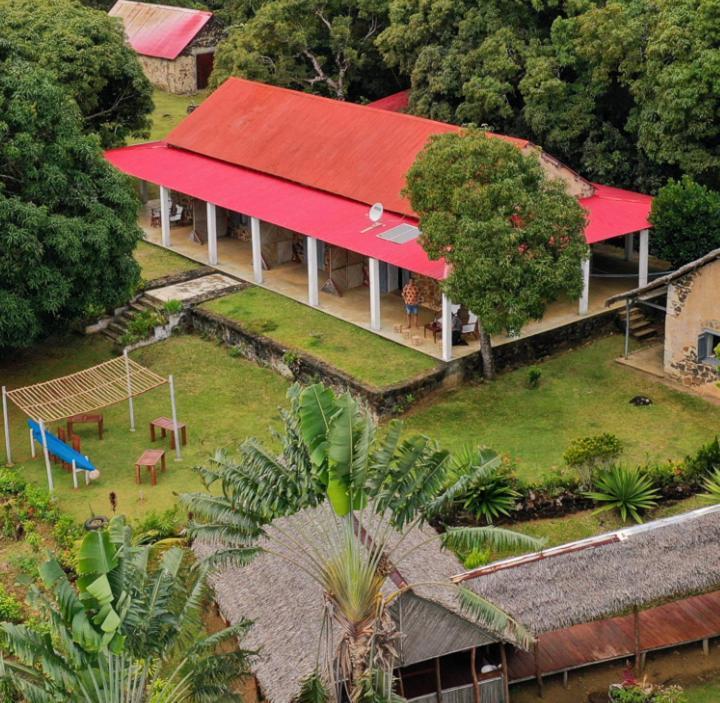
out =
column 6, row 424
column 48, row 466
column 644, row 256
column 131, row 405
column 165, row 216
column 32, row 445
column 176, row 429
column 256, row 241
column 74, row 470
column 446, row 328
column 374, row 275
column 312, row 268
column 212, row 234
column 585, row 295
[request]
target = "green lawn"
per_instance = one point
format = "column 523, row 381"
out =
column 362, row 354
column 222, row 399
column 582, row 392
column 156, row 262
column 169, row 111
column 705, row 693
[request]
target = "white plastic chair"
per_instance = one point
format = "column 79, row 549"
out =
column 472, row 325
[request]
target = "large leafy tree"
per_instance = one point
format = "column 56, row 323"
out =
column 466, row 59
column 686, row 221
column 357, row 484
column 513, row 237
column 68, row 219
column 322, row 46
column 129, row 632
column 86, row 51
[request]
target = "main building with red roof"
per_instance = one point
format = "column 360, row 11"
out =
column 175, row 45
column 291, row 176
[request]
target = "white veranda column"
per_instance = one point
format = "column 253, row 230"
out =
column 256, row 249
column 629, row 246
column 446, row 328
column 644, row 255
column 165, row 215
column 212, row 234
column 585, row 295
column 312, row 267
column 374, row 275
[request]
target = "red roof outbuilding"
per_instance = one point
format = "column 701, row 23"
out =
column 161, row 31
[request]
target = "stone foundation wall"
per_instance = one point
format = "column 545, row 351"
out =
column 693, row 306
column 392, row 400
column 178, row 76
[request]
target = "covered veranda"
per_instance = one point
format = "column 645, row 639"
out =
column 258, row 206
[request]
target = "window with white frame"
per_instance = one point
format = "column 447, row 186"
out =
column 708, row 342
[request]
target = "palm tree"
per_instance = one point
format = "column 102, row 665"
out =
column 362, row 495
column 130, row 633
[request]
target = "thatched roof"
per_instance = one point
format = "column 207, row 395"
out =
column 605, row 576
column 666, row 280
column 286, row 605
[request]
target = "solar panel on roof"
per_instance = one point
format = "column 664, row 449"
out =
column 400, row 234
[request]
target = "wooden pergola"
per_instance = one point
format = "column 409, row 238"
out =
column 82, row 392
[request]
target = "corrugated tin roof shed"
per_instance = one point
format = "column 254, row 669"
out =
column 396, row 102
column 162, row 31
column 355, row 151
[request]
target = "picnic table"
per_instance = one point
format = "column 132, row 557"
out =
column 165, row 424
column 96, row 418
column 150, row 458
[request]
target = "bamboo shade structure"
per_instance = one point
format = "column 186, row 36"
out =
column 97, row 387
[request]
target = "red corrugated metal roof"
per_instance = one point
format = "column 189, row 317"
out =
column 351, row 150
column 397, row 102
column 613, row 212
column 161, row 31
column 328, row 217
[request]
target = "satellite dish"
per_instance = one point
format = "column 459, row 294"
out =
column 376, row 212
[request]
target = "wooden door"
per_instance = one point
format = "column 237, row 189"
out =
column 203, row 69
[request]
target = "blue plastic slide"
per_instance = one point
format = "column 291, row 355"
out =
column 59, row 449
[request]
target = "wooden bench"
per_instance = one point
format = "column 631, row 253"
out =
column 165, row 424
column 150, row 458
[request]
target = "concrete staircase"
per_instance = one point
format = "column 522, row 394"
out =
column 117, row 328
column 641, row 328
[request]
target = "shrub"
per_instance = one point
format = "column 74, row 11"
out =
column 173, row 307
column 704, row 462
column 477, row 558
column 628, row 491
column 66, row 532
column 491, row 494
column 11, row 609
column 534, row 374
column 156, row 526
column 587, row 454
column 141, row 326
column 11, row 483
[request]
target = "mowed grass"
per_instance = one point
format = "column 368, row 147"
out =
column 704, row 693
column 169, row 111
column 371, row 359
column 222, row 399
column 582, row 392
column 156, row 262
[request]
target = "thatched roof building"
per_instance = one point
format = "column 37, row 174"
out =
column 286, row 605
column 607, row 575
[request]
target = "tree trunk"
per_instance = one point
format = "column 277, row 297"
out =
column 486, row 352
